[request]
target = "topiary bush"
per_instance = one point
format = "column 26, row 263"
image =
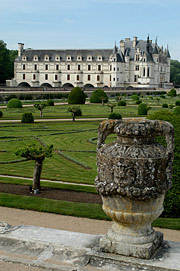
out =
column 27, row 117
column 135, row 97
column 164, row 105
column 115, row 116
column 1, row 114
column 142, row 109
column 99, row 96
column 50, row 102
column 177, row 103
column 76, row 96
column 172, row 93
column 122, row 103
column 177, row 110
column 14, row 103
column 138, row 101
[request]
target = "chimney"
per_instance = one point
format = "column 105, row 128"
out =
column 134, row 42
column 122, row 46
column 20, row 48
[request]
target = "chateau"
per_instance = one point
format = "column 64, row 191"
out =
column 135, row 63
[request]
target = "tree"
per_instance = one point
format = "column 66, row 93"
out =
column 111, row 105
column 7, row 58
column 76, row 96
column 37, row 154
column 99, row 96
column 172, row 93
column 175, row 72
column 40, row 106
column 76, row 111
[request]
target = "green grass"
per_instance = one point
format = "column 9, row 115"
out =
column 77, row 209
column 92, row 211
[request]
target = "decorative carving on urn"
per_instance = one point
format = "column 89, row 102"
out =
column 134, row 173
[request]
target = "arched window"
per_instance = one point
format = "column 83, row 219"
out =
column 56, row 77
column 144, row 71
column 148, row 72
column 98, row 78
column 34, row 77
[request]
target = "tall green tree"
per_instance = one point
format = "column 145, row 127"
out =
column 7, row 58
column 175, row 72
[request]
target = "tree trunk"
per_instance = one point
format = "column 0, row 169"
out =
column 37, row 174
column 41, row 113
column 73, row 115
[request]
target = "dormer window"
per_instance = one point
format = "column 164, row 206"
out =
column 89, row 58
column 99, row 58
column 69, row 58
column 24, row 58
column 46, row 58
column 57, row 58
column 79, row 58
column 35, row 58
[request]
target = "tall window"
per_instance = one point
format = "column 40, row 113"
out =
column 137, row 68
column 57, row 67
column 110, row 67
column 135, row 78
column 24, row 76
column 110, row 78
column 144, row 71
column 89, row 67
column 68, row 76
column 46, row 76
column 89, row 77
column 35, row 67
column 56, row 77
column 79, row 67
column 24, row 66
column 68, row 67
column 34, row 77
column 98, row 78
column 77, row 78
column 46, row 67
column 99, row 67
column 137, row 57
column 114, row 69
column 148, row 72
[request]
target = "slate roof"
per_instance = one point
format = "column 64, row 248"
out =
column 95, row 53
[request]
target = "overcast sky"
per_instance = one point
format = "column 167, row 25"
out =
column 64, row 24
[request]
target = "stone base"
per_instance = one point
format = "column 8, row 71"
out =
column 58, row 250
column 143, row 251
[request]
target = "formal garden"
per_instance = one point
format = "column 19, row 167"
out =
column 67, row 178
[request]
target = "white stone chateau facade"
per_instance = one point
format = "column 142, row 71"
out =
column 136, row 63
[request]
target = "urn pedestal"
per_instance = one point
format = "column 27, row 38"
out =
column 134, row 173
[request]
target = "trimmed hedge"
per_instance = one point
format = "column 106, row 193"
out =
column 138, row 101
column 165, row 106
column 122, row 103
column 14, row 103
column 50, row 102
column 115, row 116
column 177, row 103
column 142, row 109
column 27, row 117
column 76, row 96
column 98, row 96
column 177, row 110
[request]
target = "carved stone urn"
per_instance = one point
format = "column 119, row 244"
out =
column 134, row 173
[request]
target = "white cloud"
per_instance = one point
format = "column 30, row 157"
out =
column 69, row 21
